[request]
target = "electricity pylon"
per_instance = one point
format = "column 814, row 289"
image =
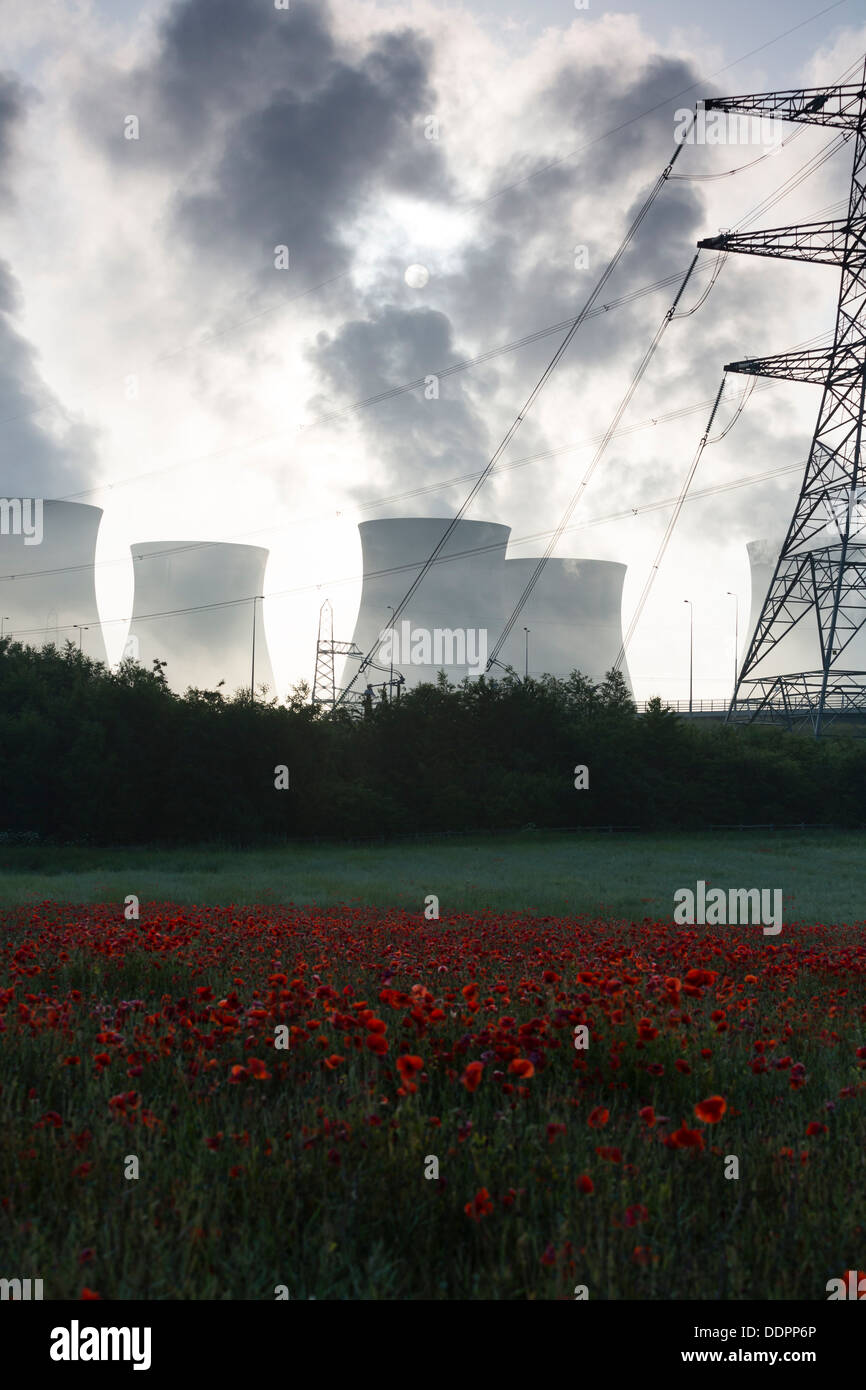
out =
column 824, row 582
column 325, row 676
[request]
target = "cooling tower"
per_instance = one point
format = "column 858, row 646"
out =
column 573, row 615
column 193, row 609
column 800, row 649
column 457, row 612
column 47, row 585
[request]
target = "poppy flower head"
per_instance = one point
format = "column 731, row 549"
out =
column 471, row 1077
column 711, row 1110
column 481, row 1205
column 521, row 1066
column 408, row 1066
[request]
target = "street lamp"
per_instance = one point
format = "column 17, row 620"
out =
column 736, row 599
column 256, row 597
column 691, row 649
column 80, row 630
column 391, row 649
column 526, row 655
column 2, row 621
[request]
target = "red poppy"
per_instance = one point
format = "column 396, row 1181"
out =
column 521, row 1066
column 89, row 1293
column 598, row 1117
column 711, row 1110
column 813, row 1128
column 257, row 1069
column 333, row 1061
column 648, row 1115
column 684, row 1138
column 610, row 1155
column 635, row 1214
column 472, row 1075
column 376, row 1043
column 408, row 1066
column 481, row 1205
column 585, row 1183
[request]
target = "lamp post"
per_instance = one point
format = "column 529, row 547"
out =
column 691, row 649
column 256, row 597
column 80, row 630
column 736, row 599
column 2, row 621
column 391, row 648
column 526, row 655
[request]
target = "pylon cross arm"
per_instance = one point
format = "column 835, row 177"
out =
column 838, row 106
column 815, row 365
column 821, row 243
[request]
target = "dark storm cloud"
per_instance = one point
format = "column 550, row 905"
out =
column 282, row 135
column 519, row 275
column 415, row 435
column 13, row 100
column 296, row 171
column 42, row 454
column 522, row 263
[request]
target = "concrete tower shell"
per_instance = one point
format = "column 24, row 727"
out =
column 800, row 649
column 461, row 592
column 211, row 641
column 48, row 588
column 574, row 615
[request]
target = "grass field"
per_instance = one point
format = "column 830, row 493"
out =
column 822, row 874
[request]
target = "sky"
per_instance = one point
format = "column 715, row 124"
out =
column 159, row 358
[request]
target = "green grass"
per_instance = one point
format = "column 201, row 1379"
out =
column 822, row 874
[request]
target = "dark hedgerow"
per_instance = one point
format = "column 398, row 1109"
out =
column 93, row 756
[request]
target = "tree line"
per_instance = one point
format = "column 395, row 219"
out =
column 90, row 755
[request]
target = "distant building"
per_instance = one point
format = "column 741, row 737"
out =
column 574, row 616
column 574, row 611
column 800, row 649
column 47, row 589
column 193, row 609
column 460, row 598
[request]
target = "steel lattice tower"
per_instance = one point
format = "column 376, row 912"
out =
column 826, row 579
column 325, row 676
